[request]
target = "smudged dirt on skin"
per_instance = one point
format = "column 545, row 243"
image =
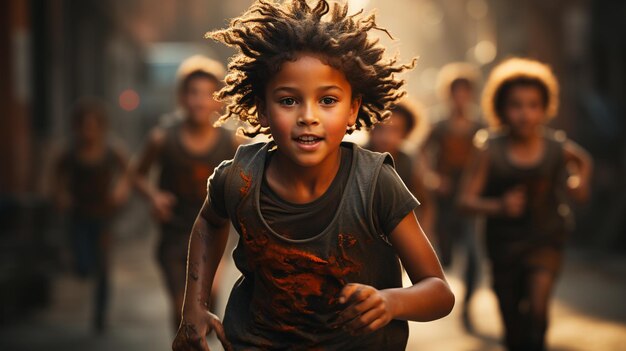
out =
column 193, row 271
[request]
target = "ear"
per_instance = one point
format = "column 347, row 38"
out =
column 355, row 106
column 261, row 109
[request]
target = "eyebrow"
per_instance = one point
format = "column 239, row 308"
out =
column 295, row 90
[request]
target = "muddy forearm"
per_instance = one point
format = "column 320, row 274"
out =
column 206, row 247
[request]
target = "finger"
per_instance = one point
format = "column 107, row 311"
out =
column 190, row 339
column 359, row 294
column 365, row 319
column 346, row 292
column 358, row 309
column 371, row 327
column 221, row 334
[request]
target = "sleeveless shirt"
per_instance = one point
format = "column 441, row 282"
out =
column 90, row 184
column 543, row 222
column 184, row 174
column 454, row 146
column 287, row 296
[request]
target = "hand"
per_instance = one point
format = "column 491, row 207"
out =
column 120, row 193
column 191, row 335
column 445, row 185
column 514, row 202
column 366, row 309
column 438, row 183
column 162, row 203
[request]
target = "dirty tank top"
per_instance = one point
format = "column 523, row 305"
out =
column 184, row 174
column 90, row 184
column 287, row 296
column 544, row 219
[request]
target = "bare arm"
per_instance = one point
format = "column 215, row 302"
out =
column 472, row 185
column 206, row 247
column 580, row 165
column 510, row 204
column 161, row 202
column 122, row 186
column 429, row 297
column 425, row 213
column 425, row 159
column 146, row 159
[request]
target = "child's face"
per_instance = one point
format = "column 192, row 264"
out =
column 524, row 110
column 308, row 106
column 461, row 95
column 389, row 135
column 89, row 129
column 198, row 100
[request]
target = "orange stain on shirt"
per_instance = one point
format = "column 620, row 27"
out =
column 243, row 191
column 294, row 287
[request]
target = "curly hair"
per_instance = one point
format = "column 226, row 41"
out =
column 452, row 74
column 411, row 111
column 89, row 107
column 269, row 34
column 198, row 66
column 513, row 72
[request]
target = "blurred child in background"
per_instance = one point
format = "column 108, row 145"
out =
column 91, row 181
column 186, row 152
column 445, row 153
column 390, row 137
column 518, row 179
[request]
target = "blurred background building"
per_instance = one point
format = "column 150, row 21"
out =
column 126, row 52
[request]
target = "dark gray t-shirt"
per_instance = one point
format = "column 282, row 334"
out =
column 301, row 221
column 287, row 296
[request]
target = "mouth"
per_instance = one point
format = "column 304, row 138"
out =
column 308, row 139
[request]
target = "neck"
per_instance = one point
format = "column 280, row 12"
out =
column 459, row 112
column 530, row 139
column 306, row 182
column 90, row 145
column 199, row 129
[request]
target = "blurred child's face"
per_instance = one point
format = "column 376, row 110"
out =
column 461, row 95
column 198, row 100
column 389, row 135
column 89, row 129
column 308, row 106
column 524, row 110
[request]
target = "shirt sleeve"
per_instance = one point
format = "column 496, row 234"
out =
column 392, row 200
column 216, row 188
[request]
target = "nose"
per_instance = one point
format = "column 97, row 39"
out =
column 308, row 116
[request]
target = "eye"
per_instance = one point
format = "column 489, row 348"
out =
column 328, row 100
column 288, row 101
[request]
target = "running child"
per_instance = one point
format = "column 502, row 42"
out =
column 323, row 225
column 91, row 182
column 390, row 137
column 518, row 179
column 186, row 152
column 445, row 154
